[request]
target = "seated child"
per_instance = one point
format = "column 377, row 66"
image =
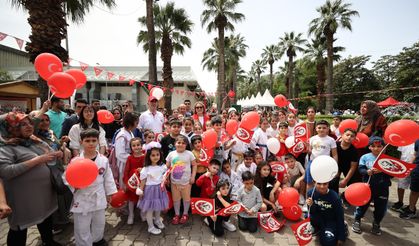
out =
column 232, row 177
column 248, row 164
column 268, row 186
column 295, row 174
column 208, row 181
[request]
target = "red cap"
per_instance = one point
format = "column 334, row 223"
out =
column 151, row 98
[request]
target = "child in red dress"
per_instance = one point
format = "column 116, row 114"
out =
column 133, row 166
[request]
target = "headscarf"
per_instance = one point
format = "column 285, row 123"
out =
column 9, row 124
column 372, row 112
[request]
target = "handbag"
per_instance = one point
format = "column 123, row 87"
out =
column 56, row 175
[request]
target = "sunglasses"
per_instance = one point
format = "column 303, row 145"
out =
column 125, row 105
column 199, row 107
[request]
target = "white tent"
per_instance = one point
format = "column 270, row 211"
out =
column 258, row 99
column 267, row 99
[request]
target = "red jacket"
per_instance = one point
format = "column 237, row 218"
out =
column 207, row 185
column 195, row 117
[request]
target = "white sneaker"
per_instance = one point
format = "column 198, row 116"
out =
column 206, row 221
column 301, row 200
column 130, row 219
column 229, row 226
column 153, row 230
column 159, row 223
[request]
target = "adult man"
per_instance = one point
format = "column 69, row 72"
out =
column 189, row 112
column 151, row 119
column 182, row 109
column 74, row 118
column 56, row 115
column 96, row 104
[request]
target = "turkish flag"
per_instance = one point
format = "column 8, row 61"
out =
column 98, row 71
column 203, row 206
column 134, row 181
column 2, row 36
column 205, row 156
column 302, row 232
column 269, row 223
column 131, row 82
column 301, row 132
column 393, row 166
column 244, row 134
column 234, row 208
column 19, row 42
column 121, row 78
column 83, row 66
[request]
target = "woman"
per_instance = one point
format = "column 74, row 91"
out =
column 88, row 119
column 200, row 114
column 26, row 179
column 371, row 121
column 111, row 128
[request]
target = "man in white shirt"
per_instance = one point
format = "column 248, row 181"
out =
column 151, row 119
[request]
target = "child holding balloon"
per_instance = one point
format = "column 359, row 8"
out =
column 152, row 199
column 89, row 203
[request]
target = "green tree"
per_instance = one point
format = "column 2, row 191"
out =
column 271, row 54
column 47, row 19
column 290, row 44
column 259, row 67
column 333, row 15
column 152, row 54
column 219, row 15
column 172, row 27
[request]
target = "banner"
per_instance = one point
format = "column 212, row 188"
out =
column 244, row 135
column 234, row 208
column 205, row 156
column 393, row 166
column 203, row 206
column 269, row 223
column 302, row 232
column 300, row 132
column 279, row 170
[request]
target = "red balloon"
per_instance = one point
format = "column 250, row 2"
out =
column 280, row 100
column 361, row 140
column 292, row 213
column 358, row 194
column 118, row 199
column 231, row 94
column 250, row 120
column 209, row 139
column 231, row 127
column 402, row 133
column 79, row 76
column 105, row 117
column 46, row 64
column 62, row 85
column 288, row 197
column 81, row 173
column 348, row 123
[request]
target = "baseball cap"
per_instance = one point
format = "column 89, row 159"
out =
column 151, row 98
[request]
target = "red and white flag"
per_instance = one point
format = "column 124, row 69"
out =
column 131, row 82
column 110, row 75
column 244, row 135
column 292, row 108
column 302, row 232
column 203, row 206
column 97, row 70
column 2, row 36
column 19, row 42
column 234, row 208
column 160, row 136
column 121, row 78
column 300, row 131
column 298, row 147
column 83, row 66
column 205, row 155
column 269, row 223
column 165, row 177
column 278, row 169
column 134, row 181
column 393, row 166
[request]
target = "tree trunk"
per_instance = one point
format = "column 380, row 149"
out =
column 166, row 56
column 321, row 77
column 330, row 84
column 271, row 74
column 152, row 53
column 234, row 83
column 221, row 22
column 290, row 76
column 48, row 24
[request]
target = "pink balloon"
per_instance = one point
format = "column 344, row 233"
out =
column 105, row 116
column 81, row 173
column 61, row 84
column 46, row 64
column 79, row 76
column 401, row 133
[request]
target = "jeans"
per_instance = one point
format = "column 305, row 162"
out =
column 250, row 224
column 380, row 197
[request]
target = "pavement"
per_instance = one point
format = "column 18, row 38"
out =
column 396, row 231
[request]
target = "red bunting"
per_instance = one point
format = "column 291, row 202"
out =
column 121, row 78
column 142, row 83
column 269, row 223
column 149, row 86
column 302, row 232
column 234, row 208
column 172, row 90
column 393, row 166
column 98, row 71
column 83, row 66
column 19, row 42
column 131, row 82
column 2, row 36
column 110, row 75
column 203, row 206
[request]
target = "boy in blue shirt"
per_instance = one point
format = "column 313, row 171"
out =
column 379, row 185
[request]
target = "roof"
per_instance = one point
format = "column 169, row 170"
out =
column 388, row 102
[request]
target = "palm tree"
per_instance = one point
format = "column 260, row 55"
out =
column 259, row 67
column 49, row 26
column 315, row 52
column 152, row 54
column 219, row 16
column 271, row 54
column 172, row 26
column 333, row 14
column 290, row 44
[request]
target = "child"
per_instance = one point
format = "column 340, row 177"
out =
column 248, row 164
column 335, row 127
column 208, row 181
column 197, row 129
column 232, row 177
column 89, row 203
column 149, row 136
column 273, row 130
column 249, row 195
column 260, row 138
column 181, row 161
column 216, row 123
column 326, row 215
column 152, row 176
column 201, row 168
column 379, row 184
column 237, row 149
column 222, row 200
column 268, row 186
column 187, row 130
column 295, row 173
column 134, row 164
column 282, row 135
column 258, row 158
column 320, row 144
column 168, row 142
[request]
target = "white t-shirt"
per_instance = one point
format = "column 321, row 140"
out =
column 242, row 168
column 321, row 146
column 74, row 136
column 153, row 122
column 181, row 164
column 272, row 133
column 408, row 152
column 153, row 174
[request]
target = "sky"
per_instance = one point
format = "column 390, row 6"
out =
column 108, row 37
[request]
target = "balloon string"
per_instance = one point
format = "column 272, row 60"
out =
column 312, row 194
column 49, row 98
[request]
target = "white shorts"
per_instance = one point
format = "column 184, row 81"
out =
column 404, row 183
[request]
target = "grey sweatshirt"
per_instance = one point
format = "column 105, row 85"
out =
column 250, row 199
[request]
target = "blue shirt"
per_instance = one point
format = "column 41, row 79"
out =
column 56, row 121
column 377, row 180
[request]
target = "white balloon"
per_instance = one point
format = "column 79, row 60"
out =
column 157, row 93
column 273, row 145
column 290, row 141
column 323, row 169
